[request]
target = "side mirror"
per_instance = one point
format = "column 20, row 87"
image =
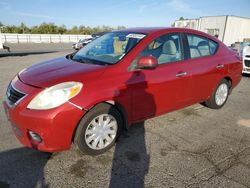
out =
column 147, row 62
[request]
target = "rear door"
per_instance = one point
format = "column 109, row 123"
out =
column 207, row 68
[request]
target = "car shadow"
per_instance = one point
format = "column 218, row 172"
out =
column 6, row 54
column 22, row 167
column 131, row 159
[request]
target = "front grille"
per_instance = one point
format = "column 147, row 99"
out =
column 13, row 95
column 247, row 63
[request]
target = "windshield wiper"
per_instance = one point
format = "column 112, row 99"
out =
column 81, row 61
column 91, row 61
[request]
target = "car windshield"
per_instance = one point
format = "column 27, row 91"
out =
column 109, row 48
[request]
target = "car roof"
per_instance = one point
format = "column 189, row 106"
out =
column 146, row 30
column 150, row 30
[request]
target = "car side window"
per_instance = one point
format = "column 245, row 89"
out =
column 213, row 46
column 200, row 46
column 165, row 49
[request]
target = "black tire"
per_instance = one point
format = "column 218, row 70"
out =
column 79, row 139
column 211, row 102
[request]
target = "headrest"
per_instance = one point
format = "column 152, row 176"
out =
column 202, row 43
column 169, row 48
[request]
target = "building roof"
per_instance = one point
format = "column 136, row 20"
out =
column 225, row 15
column 215, row 16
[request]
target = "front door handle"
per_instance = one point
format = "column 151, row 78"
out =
column 181, row 74
column 220, row 66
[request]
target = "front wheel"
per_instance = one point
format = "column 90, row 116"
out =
column 98, row 130
column 219, row 96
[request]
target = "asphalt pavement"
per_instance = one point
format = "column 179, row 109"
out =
column 191, row 147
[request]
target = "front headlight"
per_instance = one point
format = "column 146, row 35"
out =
column 55, row 96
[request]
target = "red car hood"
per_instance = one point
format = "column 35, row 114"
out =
column 59, row 70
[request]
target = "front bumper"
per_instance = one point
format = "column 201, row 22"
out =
column 55, row 126
column 246, row 69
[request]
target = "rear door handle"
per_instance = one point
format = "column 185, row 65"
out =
column 220, row 66
column 181, row 74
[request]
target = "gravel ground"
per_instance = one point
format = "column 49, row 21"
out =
column 191, row 147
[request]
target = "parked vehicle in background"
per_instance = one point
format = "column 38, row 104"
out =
column 1, row 43
column 96, row 35
column 239, row 46
column 246, row 59
column 121, row 78
column 83, row 42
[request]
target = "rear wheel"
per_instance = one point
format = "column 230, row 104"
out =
column 98, row 130
column 219, row 96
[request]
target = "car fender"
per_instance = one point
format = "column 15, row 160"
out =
column 115, row 96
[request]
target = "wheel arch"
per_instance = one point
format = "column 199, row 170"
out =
column 122, row 111
column 113, row 103
column 229, row 79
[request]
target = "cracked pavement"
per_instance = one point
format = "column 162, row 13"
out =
column 191, row 147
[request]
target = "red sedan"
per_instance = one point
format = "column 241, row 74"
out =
column 118, row 79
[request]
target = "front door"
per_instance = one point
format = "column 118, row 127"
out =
column 165, row 88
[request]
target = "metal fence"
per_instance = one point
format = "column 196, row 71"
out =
column 40, row 38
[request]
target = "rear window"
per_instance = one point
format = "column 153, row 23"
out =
column 200, row 46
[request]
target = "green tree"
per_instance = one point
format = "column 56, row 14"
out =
column 61, row 29
column 51, row 28
column 23, row 28
column 74, row 30
column 120, row 27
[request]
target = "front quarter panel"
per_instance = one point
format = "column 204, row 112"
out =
column 106, row 88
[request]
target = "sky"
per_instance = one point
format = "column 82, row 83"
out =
column 128, row 13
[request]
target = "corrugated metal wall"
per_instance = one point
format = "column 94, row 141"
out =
column 218, row 23
column 230, row 29
column 237, row 29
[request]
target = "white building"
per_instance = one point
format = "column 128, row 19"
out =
column 229, row 29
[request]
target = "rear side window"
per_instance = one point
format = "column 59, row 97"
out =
column 200, row 46
column 213, row 46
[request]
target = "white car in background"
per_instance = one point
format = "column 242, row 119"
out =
column 246, row 59
column 1, row 43
column 81, row 43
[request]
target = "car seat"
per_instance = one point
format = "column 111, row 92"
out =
column 203, row 48
column 169, row 52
